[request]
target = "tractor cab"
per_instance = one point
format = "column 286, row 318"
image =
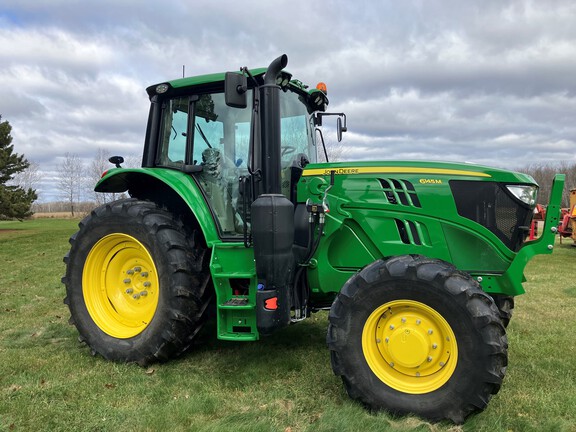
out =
column 200, row 132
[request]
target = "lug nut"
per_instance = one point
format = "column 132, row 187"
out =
column 434, row 346
column 392, row 327
column 136, row 296
column 144, row 293
column 418, row 322
column 430, row 331
column 146, row 284
column 129, row 291
column 130, row 272
column 403, row 320
column 127, row 281
column 137, row 269
column 429, row 359
column 144, row 274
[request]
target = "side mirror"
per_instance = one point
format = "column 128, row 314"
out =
column 340, row 128
column 235, row 88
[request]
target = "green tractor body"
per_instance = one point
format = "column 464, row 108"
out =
column 230, row 213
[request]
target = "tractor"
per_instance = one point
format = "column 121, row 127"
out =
column 232, row 218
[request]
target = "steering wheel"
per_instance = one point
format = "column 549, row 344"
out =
column 286, row 150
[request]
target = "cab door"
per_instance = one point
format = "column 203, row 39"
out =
column 201, row 131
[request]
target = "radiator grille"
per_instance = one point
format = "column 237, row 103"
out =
column 491, row 205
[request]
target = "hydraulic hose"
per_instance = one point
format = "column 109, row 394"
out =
column 300, row 286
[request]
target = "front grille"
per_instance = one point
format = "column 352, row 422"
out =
column 491, row 205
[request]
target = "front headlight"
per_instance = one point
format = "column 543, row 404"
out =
column 525, row 193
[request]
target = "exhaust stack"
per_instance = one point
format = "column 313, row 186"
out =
column 272, row 215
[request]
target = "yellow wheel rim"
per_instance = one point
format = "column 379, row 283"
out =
column 410, row 346
column 120, row 286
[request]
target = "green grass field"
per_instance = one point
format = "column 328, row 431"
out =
column 50, row 382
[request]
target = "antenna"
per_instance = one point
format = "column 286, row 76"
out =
column 183, row 71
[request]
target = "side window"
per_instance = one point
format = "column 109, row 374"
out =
column 208, row 127
column 294, row 138
column 177, row 148
column 216, row 138
column 296, row 131
column 174, row 131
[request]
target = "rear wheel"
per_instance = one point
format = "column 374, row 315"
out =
column 505, row 306
column 415, row 335
column 137, row 282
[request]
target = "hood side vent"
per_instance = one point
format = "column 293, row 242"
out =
column 412, row 233
column 400, row 192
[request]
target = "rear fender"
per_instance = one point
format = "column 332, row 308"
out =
column 174, row 189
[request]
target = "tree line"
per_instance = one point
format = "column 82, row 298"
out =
column 544, row 175
column 76, row 181
column 19, row 179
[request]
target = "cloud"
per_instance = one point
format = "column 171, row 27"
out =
column 490, row 81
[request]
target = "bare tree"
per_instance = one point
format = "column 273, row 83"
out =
column 98, row 166
column 29, row 178
column 569, row 169
column 71, row 180
column 132, row 161
column 334, row 149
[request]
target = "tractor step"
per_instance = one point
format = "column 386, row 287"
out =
column 232, row 269
column 237, row 301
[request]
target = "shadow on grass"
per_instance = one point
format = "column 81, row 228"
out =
column 306, row 335
column 296, row 355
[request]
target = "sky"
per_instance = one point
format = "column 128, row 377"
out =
column 484, row 81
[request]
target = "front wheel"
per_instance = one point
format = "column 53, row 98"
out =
column 137, row 282
column 415, row 335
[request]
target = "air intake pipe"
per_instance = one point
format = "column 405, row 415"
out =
column 272, row 215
